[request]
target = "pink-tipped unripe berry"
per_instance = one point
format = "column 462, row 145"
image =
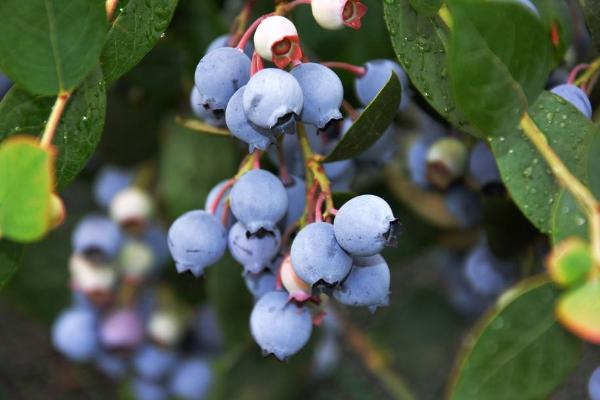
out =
column 335, row 14
column 276, row 40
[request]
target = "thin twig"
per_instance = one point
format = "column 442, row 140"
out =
column 111, row 6
column 54, row 119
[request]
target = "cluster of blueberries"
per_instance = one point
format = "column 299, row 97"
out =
column 122, row 317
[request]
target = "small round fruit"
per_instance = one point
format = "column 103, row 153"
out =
column 377, row 73
column 335, row 14
column 576, row 97
column 191, row 380
column 122, row 329
column 241, row 128
column 447, row 161
column 109, row 182
column 153, row 363
column 97, row 236
column 74, row 334
column 205, row 114
column 276, row 40
column 296, row 194
column 148, row 390
column 482, row 165
column 368, row 283
column 296, row 287
column 261, row 283
column 131, row 207
column 594, row 385
column 254, row 252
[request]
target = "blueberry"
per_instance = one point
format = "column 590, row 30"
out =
column 240, row 127
column 368, row 283
column 147, row 390
column 5, row 85
column 465, row 205
column 296, row 287
column 90, row 276
column 364, row 225
column 97, row 236
column 594, row 385
column 121, row 329
column 191, row 380
column 296, row 195
column 377, row 73
column 196, row 240
column 207, row 330
column 205, row 114
column 219, row 75
column 212, row 195
column 165, row 327
column 272, row 97
column 254, row 252
column 447, row 160
column 341, row 174
column 530, row 6
column 112, row 365
column 153, row 363
column 322, row 91
column 136, row 260
column 132, row 207
column 223, row 41
column 278, row 326
column 483, row 271
column 156, row 237
column 576, row 97
column 292, row 154
column 258, row 200
column 317, row 256
column 74, row 334
column 482, row 165
column 323, row 141
column 110, row 181
column 261, row 283
column 327, row 355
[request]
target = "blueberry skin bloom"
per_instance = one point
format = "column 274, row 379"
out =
column 365, row 225
column 196, row 240
column 191, row 380
column 322, row 91
column 74, row 334
column 260, row 284
column 97, row 235
column 377, row 73
column 296, row 194
column 240, row 127
column 482, row 165
column 147, row 390
column 279, row 327
column 204, row 114
column 368, row 283
column 271, row 96
column 258, row 200
column 317, row 256
column 576, row 97
column 110, row 181
column 153, row 363
column 219, row 75
column 594, row 385
column 254, row 252
column 482, row 272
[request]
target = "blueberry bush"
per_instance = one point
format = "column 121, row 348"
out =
column 288, row 199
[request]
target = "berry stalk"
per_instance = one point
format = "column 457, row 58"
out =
column 54, row 120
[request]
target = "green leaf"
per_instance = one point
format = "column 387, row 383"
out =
column 10, row 260
column 133, row 34
column 509, row 61
column 570, row 262
column 579, row 311
column 49, row 46
column 26, row 182
column 519, row 351
column 420, row 43
column 79, row 130
column 426, row 7
column 371, row 123
column 525, row 173
column 591, row 12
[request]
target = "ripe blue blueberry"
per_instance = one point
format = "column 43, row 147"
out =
column 219, row 75
column 482, row 271
column 278, row 326
column 156, row 237
column 205, row 114
column 212, row 195
column 341, row 174
column 121, row 329
column 272, row 97
column 254, row 252
column 240, row 127
column 465, row 205
column 5, row 85
column 223, row 41
column 576, row 97
column 261, row 283
column 153, row 363
column 97, row 236
column 322, row 91
column 196, row 240
column 191, row 380
column 112, row 365
column 148, row 390
column 377, row 73
column 110, row 181
column 296, row 194
column 482, row 165
column 258, row 200
column 368, row 283
column 207, row 331
column 317, row 256
column 74, row 334
column 594, row 385
column 365, row 225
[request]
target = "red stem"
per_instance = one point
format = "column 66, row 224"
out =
column 246, row 36
column 215, row 203
column 351, row 111
column 333, row 211
column 310, row 202
column 575, row 71
column 225, row 216
column 256, row 161
column 319, row 207
column 355, row 69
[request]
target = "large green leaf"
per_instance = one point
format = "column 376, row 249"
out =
column 79, row 130
column 10, row 260
column 420, row 43
column 524, row 171
column 26, row 182
column 591, row 12
column 48, row 46
column 519, row 351
column 556, row 18
column 426, row 7
column 371, row 123
column 133, row 34
column 509, row 59
column 579, row 311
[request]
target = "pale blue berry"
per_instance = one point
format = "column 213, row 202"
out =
column 253, row 251
column 191, row 380
column 153, row 363
column 95, row 235
column 576, row 97
column 368, row 283
column 377, row 73
column 240, row 127
column 75, row 334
